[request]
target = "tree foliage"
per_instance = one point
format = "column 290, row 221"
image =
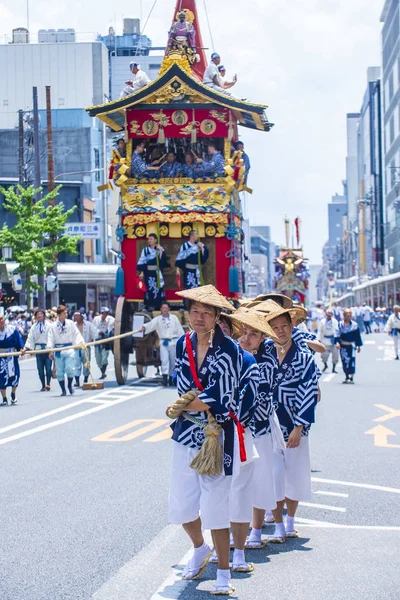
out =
column 39, row 233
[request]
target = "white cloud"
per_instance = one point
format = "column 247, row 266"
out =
column 306, row 59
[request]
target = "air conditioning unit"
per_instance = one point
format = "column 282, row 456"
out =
column 47, row 36
column 20, row 35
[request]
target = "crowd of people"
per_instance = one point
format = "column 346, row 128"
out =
column 42, row 330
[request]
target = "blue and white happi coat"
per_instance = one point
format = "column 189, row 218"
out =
column 219, row 376
column 295, row 393
column 215, row 167
column 155, row 286
column 188, row 259
column 301, row 337
column 138, row 165
column 248, row 388
column 171, row 170
column 349, row 339
column 10, row 341
column 268, row 366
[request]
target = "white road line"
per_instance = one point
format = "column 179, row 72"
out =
column 132, row 579
column 336, row 494
column 73, row 417
column 41, row 416
column 328, row 378
column 379, row 488
column 369, row 342
column 325, row 524
column 324, row 506
column 97, row 398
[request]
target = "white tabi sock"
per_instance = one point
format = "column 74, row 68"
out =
column 223, row 576
column 238, row 557
column 201, row 551
column 289, row 523
column 279, row 530
column 255, row 535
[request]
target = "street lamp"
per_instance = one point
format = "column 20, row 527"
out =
column 7, row 252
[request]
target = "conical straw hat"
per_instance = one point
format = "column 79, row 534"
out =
column 281, row 299
column 266, row 306
column 253, row 319
column 206, row 294
column 237, row 328
column 297, row 314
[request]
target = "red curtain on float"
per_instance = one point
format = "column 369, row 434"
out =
column 198, row 68
column 222, row 246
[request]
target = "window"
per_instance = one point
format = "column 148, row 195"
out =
column 97, row 164
column 61, row 102
column 391, row 130
column 5, row 102
column 155, row 66
column 391, row 86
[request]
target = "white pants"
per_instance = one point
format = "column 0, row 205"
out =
column 292, row 472
column 168, row 356
column 241, row 499
column 330, row 349
column 192, row 494
column 264, row 496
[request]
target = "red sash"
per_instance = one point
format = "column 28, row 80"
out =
column 193, row 370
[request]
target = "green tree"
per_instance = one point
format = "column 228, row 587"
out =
column 39, row 233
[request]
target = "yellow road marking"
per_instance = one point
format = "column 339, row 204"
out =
column 161, row 436
column 392, row 413
column 381, row 435
column 110, row 436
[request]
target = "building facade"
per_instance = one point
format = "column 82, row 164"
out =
column 390, row 39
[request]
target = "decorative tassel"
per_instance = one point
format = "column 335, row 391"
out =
column 119, row 282
column 231, row 130
column 193, row 133
column 209, row 460
column 233, row 279
column 161, row 135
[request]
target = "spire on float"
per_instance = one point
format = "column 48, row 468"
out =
column 188, row 35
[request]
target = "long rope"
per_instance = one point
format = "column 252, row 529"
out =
column 76, row 347
column 209, row 26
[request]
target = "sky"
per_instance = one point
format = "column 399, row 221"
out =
column 305, row 59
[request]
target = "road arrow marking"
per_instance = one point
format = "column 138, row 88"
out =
column 392, row 413
column 381, row 435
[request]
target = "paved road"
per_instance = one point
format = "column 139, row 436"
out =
column 84, row 491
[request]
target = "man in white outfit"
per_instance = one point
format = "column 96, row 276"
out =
column 63, row 334
column 328, row 331
column 169, row 330
column 104, row 324
column 140, row 81
column 393, row 328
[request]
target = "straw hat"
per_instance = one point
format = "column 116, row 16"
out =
column 281, row 299
column 246, row 302
column 297, row 314
column 253, row 319
column 206, row 294
column 266, row 306
column 236, row 327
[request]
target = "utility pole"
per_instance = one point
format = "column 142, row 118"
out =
column 21, row 177
column 21, row 181
column 55, row 297
column 36, row 147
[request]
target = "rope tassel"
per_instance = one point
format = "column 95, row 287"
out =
column 209, row 460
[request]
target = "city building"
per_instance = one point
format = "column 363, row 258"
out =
column 337, row 212
column 390, row 18
column 261, row 275
column 371, row 217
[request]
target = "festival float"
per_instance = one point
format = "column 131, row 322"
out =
column 291, row 267
column 177, row 113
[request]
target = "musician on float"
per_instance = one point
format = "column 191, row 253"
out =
column 191, row 256
column 152, row 261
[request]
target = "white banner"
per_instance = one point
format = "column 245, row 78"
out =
column 88, row 231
